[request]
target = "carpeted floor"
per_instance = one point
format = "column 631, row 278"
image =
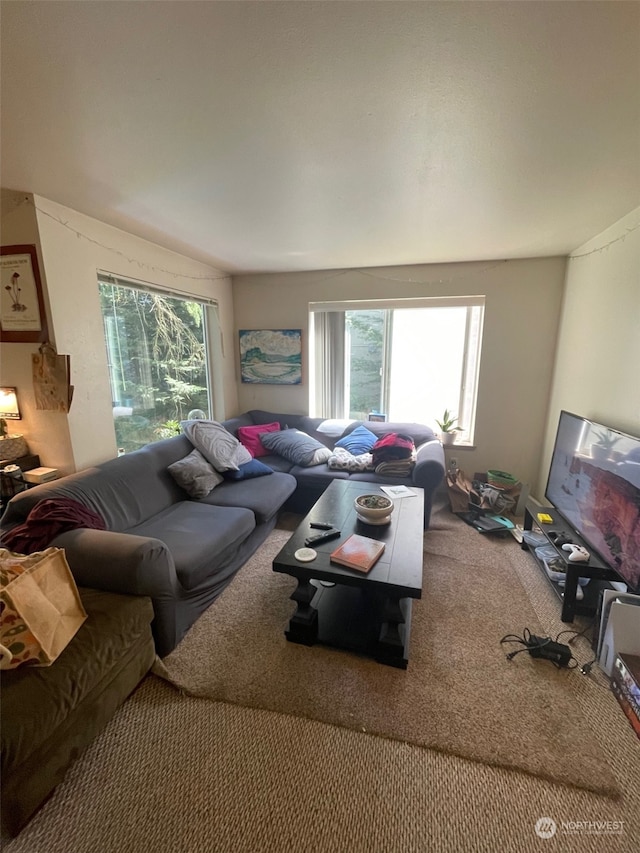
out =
column 459, row 694
column 176, row 774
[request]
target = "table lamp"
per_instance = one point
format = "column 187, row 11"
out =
column 11, row 446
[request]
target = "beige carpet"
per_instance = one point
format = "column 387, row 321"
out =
column 459, row 695
column 175, row 774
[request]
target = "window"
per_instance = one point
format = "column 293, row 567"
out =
column 158, row 349
column 408, row 359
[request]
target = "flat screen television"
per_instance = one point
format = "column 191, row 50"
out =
column 594, row 484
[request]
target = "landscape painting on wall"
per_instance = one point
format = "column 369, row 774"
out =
column 271, row 356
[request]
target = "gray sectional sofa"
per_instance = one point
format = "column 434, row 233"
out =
column 158, row 541
column 427, row 473
column 182, row 551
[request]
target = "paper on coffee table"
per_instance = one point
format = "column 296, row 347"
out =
column 398, row 491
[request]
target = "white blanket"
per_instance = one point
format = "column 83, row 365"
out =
column 342, row 460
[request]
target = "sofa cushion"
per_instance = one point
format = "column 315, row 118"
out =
column 317, row 477
column 263, row 496
column 250, row 437
column 216, row 444
column 361, row 440
column 248, row 471
column 297, row 447
column 198, row 536
column 195, row 475
column 277, row 463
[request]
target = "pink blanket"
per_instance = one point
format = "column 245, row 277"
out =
column 48, row 519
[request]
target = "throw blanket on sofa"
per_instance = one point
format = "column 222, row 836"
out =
column 397, row 467
column 48, row 519
column 342, row 460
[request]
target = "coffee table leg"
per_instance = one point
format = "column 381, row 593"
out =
column 393, row 642
column 303, row 625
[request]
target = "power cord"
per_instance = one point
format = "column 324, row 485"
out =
column 586, row 668
column 542, row 647
column 560, row 655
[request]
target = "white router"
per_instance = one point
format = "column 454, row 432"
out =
column 41, row 475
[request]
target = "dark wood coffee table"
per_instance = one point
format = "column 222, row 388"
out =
column 365, row 613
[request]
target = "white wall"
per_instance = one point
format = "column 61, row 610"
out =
column 46, row 433
column 73, row 249
column 597, row 370
column 523, row 302
column 523, row 386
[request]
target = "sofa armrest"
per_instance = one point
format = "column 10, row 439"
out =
column 429, row 470
column 119, row 562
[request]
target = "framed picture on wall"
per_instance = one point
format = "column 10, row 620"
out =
column 271, row 356
column 22, row 315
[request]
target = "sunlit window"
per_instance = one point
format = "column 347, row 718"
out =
column 158, row 362
column 405, row 363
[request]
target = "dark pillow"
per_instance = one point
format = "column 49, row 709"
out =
column 255, row 468
column 296, row 446
column 195, row 475
column 361, row 440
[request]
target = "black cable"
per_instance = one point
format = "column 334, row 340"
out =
column 576, row 633
column 530, row 645
column 525, row 641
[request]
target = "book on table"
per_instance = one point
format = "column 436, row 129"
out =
column 358, row 552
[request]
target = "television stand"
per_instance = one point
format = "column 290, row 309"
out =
column 595, row 569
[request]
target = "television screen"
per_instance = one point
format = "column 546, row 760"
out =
column 594, row 483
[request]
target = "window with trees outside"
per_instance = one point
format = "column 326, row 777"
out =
column 159, row 350
column 408, row 360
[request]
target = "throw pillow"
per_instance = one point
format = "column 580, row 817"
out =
column 250, row 437
column 195, row 475
column 334, row 427
column 296, row 446
column 248, row 471
column 361, row 440
column 218, row 446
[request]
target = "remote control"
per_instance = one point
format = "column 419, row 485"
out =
column 578, row 554
column 321, row 525
column 322, row 537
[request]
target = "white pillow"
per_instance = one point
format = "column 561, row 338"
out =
column 218, row 446
column 334, row 427
column 195, row 475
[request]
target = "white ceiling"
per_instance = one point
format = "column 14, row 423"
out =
column 271, row 136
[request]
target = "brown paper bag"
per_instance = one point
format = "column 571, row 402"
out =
column 51, row 379
column 41, row 610
column 461, row 491
column 466, row 494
